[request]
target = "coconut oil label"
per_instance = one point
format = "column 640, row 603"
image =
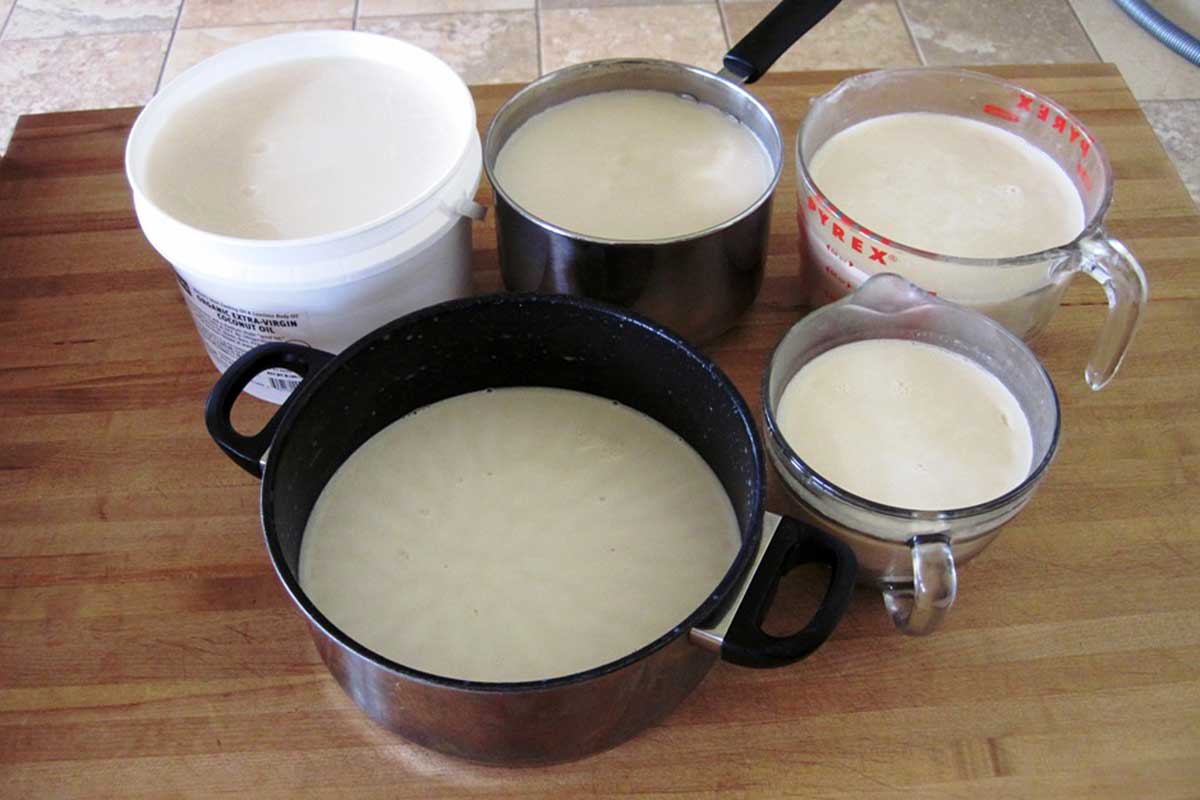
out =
column 229, row 331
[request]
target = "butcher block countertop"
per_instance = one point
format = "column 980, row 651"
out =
column 147, row 649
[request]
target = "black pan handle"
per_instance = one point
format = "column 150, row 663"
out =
column 794, row 543
column 750, row 58
column 247, row 451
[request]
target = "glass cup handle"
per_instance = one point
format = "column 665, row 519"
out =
column 917, row 607
column 1110, row 264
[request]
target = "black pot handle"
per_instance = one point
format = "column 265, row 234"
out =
column 247, row 451
column 750, row 58
column 745, row 642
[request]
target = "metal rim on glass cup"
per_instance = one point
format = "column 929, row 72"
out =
column 1092, row 251
column 911, row 555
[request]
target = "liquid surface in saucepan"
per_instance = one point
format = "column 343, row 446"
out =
column 950, row 185
column 633, row 165
column 907, row 424
column 517, row 534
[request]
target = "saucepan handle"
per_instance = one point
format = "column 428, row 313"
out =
column 739, row 635
column 750, row 58
column 247, row 451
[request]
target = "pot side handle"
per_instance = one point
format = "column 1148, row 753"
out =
column 247, row 451
column 739, row 636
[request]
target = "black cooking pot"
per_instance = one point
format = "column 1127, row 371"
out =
column 528, row 340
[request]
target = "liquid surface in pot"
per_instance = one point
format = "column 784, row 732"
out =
column 950, row 185
column 517, row 534
column 633, row 165
column 303, row 148
column 907, row 424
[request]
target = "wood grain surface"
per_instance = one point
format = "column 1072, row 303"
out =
column 146, row 648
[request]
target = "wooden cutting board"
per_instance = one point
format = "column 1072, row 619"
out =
column 147, row 649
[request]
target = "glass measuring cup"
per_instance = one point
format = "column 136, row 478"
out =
column 838, row 254
column 912, row 556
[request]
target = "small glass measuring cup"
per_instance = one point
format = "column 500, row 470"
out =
column 1022, row 292
column 911, row 555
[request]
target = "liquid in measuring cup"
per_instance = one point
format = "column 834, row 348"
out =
column 980, row 191
column 949, row 185
column 907, row 424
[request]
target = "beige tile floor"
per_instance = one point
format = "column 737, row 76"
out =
column 59, row 55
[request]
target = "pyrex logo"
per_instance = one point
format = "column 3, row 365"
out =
column 1025, row 103
column 839, row 230
column 1044, row 113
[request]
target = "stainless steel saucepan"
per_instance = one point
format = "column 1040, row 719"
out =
column 699, row 283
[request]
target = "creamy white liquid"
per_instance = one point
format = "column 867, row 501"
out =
column 950, row 185
column 907, row 424
column 633, row 165
column 301, row 149
column 517, row 534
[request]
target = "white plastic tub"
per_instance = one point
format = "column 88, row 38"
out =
column 326, row 290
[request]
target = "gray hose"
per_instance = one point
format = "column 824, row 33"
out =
column 1162, row 29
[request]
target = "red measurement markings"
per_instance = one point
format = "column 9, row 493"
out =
column 1025, row 102
column 1084, row 178
column 832, row 273
column 1002, row 113
column 1044, row 113
column 844, row 231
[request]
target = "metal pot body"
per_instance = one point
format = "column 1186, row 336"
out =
column 560, row 722
column 697, row 284
column 527, row 340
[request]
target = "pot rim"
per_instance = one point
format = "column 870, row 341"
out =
column 573, row 73
column 293, row 412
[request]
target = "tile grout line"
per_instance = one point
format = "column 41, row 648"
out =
column 724, row 24
column 255, row 24
column 911, row 36
column 170, row 43
column 585, row 6
column 500, row 12
column 1086, row 35
column 537, row 32
column 626, row 4
column 4, row 26
column 101, row 35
